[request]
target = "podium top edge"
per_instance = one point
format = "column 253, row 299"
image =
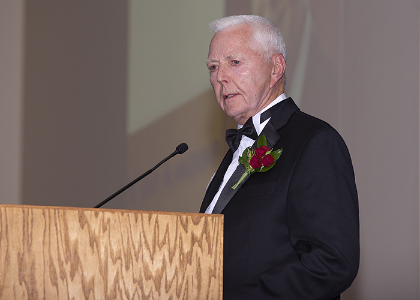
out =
column 21, row 206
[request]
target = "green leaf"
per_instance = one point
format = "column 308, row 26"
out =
column 262, row 141
column 265, row 169
column 244, row 158
column 276, row 154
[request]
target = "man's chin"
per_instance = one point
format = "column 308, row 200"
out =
column 237, row 113
column 239, row 118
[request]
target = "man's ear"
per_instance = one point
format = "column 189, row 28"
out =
column 279, row 67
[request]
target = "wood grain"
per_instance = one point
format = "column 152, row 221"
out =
column 78, row 253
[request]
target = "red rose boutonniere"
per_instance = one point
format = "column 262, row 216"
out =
column 260, row 159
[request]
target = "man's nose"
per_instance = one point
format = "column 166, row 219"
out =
column 222, row 74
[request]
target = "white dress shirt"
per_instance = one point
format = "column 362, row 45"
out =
column 245, row 142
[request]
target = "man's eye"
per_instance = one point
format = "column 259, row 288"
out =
column 235, row 62
column 212, row 68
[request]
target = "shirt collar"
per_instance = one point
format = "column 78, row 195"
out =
column 256, row 118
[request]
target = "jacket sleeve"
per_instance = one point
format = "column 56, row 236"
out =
column 323, row 222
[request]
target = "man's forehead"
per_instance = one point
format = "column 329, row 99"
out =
column 233, row 42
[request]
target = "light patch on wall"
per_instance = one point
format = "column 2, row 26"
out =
column 168, row 44
column 283, row 14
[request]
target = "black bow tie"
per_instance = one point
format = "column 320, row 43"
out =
column 233, row 136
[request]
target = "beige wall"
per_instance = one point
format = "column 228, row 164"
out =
column 167, row 53
column 381, row 127
column 170, row 101
column 66, row 102
column 63, row 115
column 11, row 98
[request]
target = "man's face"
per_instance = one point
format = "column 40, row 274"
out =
column 241, row 78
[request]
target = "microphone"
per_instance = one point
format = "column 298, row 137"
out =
column 181, row 148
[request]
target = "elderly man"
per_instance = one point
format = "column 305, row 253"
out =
column 290, row 201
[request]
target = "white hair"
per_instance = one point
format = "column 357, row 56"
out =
column 265, row 33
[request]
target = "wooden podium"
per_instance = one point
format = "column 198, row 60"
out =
column 80, row 253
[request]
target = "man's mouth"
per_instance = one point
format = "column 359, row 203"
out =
column 229, row 96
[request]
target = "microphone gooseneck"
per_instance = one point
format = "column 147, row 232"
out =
column 181, row 148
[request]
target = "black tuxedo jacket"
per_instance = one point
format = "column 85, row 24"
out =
column 293, row 231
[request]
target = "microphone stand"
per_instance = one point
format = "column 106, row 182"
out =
column 179, row 150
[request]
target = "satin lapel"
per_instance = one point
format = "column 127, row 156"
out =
column 216, row 181
column 282, row 112
column 271, row 134
column 228, row 192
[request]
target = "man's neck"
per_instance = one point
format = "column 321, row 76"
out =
column 256, row 118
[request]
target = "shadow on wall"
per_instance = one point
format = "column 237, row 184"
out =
column 179, row 184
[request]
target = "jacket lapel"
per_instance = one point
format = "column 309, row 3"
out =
column 282, row 112
column 228, row 192
column 216, row 181
column 271, row 134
